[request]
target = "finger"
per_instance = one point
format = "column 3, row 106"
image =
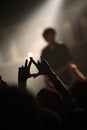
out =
column 34, row 62
column 26, row 62
column 30, row 62
column 31, row 58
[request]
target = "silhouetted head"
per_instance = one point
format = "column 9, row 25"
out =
column 17, row 108
column 49, row 35
column 50, row 99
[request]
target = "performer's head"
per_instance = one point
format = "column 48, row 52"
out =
column 49, row 35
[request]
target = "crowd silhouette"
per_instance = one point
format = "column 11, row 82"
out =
column 56, row 108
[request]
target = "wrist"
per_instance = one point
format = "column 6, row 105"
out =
column 22, row 84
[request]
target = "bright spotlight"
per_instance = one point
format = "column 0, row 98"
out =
column 30, row 54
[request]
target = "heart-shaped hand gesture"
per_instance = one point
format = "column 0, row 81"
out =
column 24, row 71
column 42, row 66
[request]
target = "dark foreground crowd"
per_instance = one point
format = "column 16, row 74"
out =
column 56, row 108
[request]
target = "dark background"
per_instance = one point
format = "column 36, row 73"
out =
column 12, row 11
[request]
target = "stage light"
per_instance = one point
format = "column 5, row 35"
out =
column 30, row 54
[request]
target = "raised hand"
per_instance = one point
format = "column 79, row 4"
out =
column 24, row 73
column 42, row 66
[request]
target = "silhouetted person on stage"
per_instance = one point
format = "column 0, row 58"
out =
column 57, row 55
